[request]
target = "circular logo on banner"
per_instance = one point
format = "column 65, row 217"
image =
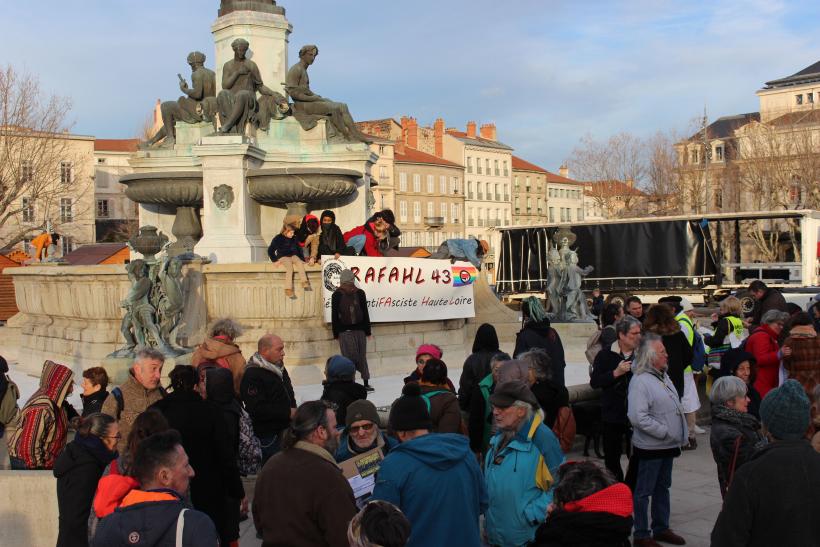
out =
column 465, row 276
column 333, row 269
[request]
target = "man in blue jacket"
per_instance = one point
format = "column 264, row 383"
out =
column 433, row 478
column 520, row 466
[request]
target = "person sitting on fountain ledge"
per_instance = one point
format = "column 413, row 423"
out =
column 285, row 249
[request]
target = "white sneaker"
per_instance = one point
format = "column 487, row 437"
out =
column 699, row 430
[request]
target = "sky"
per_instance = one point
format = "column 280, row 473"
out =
column 546, row 72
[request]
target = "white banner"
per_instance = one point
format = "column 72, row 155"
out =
column 405, row 289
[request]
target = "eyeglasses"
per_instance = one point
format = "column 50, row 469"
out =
column 118, row 436
column 366, row 428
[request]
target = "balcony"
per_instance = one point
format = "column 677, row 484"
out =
column 469, row 168
column 482, row 222
column 506, row 197
column 469, row 195
column 506, row 173
column 498, row 197
column 517, row 210
column 480, row 195
column 478, row 170
column 470, row 222
column 434, row 222
column 455, row 221
column 497, row 173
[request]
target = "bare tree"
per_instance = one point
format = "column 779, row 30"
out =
column 37, row 165
column 663, row 183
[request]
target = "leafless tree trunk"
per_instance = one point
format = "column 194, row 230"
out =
column 34, row 158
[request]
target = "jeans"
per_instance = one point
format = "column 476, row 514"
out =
column 357, row 242
column 613, row 437
column 654, row 477
column 270, row 446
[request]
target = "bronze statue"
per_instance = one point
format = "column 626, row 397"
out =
column 237, row 101
column 308, row 107
column 171, row 298
column 198, row 104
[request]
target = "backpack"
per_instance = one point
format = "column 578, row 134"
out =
column 350, row 309
column 462, row 429
column 117, row 394
column 699, row 356
column 564, row 428
column 8, row 404
column 593, row 346
column 250, row 450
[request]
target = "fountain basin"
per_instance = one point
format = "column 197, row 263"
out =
column 172, row 188
column 298, row 187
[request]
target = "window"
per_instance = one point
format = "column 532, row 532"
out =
column 810, row 98
column 469, row 164
column 66, row 172
column 454, row 212
column 489, row 191
column 402, row 182
column 443, row 209
column 506, row 171
column 719, row 153
column 540, row 206
column 66, row 213
column 430, row 209
column 403, row 211
column 799, row 99
column 28, row 210
column 382, row 172
column 497, row 192
column 579, row 214
column 417, row 183
column 454, row 184
column 487, row 164
column 431, row 185
column 102, row 208
column 529, row 204
column 527, row 184
column 497, row 171
column 478, row 166
column 417, row 212
column 100, row 160
column 67, row 244
column 442, row 183
column 693, row 156
column 26, row 171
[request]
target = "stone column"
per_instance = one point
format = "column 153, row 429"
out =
column 230, row 217
column 267, row 34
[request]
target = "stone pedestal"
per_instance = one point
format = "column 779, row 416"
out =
column 231, row 218
column 267, row 34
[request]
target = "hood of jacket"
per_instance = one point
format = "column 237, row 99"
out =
column 54, row 382
column 441, row 451
column 216, row 348
column 80, row 452
column 219, row 385
column 150, row 514
column 111, row 490
column 328, row 213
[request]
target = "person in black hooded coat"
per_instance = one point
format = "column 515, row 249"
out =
column 78, row 469
column 341, row 388
column 331, row 240
column 219, row 391
column 477, row 364
column 537, row 333
column 207, row 442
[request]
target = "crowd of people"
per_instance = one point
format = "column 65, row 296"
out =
column 484, row 464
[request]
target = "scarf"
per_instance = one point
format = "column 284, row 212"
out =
column 259, row 361
column 96, row 447
column 315, row 449
column 741, row 419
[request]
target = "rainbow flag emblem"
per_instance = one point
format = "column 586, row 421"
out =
column 464, row 275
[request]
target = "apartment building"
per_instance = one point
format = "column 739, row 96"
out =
column 115, row 215
column 529, row 193
column 429, row 197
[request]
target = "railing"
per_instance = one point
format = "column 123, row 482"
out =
column 506, row 197
column 469, row 168
column 434, row 221
column 498, row 197
column 480, row 195
column 481, row 222
column 517, row 210
column 470, row 222
column 469, row 195
column 497, row 172
column 506, row 173
column 478, row 170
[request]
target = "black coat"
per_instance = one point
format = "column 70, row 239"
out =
column 78, row 469
column 551, row 397
column 535, row 335
column 268, row 399
column 342, row 393
column 773, row 500
column 94, row 402
column 336, row 318
column 680, row 356
column 615, row 390
column 583, row 529
column 209, row 448
column 281, row 246
column 727, row 426
column 476, row 368
column 331, row 241
column 772, row 300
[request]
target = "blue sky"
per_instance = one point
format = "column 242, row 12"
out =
column 546, row 72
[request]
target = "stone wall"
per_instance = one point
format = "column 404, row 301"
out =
column 28, row 508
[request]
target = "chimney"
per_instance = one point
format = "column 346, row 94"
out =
column 488, row 131
column 471, row 129
column 630, row 183
column 438, row 132
column 398, row 147
column 410, row 132
column 564, row 171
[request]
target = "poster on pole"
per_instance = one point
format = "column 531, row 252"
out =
column 405, row 289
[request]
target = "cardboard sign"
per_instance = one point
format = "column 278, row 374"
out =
column 360, row 472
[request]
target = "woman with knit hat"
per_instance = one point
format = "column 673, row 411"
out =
column 424, row 353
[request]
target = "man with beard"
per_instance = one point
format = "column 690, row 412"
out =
column 301, row 497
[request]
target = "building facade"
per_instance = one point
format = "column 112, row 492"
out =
column 529, row 193
column 115, row 215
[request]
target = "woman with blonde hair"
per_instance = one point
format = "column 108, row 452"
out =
column 729, row 330
column 285, row 249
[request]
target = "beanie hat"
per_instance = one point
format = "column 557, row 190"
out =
column 429, row 349
column 409, row 412
column 362, row 410
column 340, row 367
column 785, row 411
column 346, row 276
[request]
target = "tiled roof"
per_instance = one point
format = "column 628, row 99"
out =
column 797, row 118
column 478, row 141
column 725, row 126
column 809, row 74
column 89, row 255
column 519, row 164
column 558, row 179
column 116, row 145
column 411, row 155
column 611, row 188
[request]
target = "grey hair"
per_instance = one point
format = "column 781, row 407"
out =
column 577, row 480
column 525, row 405
column 97, row 425
column 499, row 357
column 226, row 327
column 625, row 324
column 539, row 362
column 727, row 388
column 645, row 353
column 148, row 354
column 774, row 316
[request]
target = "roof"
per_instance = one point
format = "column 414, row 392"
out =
column 519, row 164
column 89, row 255
column 725, row 126
column 808, row 75
column 797, row 118
column 116, row 145
column 611, row 188
column 477, row 141
column 411, row 155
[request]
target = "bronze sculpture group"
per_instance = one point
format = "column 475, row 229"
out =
column 246, row 103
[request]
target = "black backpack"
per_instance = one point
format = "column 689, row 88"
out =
column 350, row 309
